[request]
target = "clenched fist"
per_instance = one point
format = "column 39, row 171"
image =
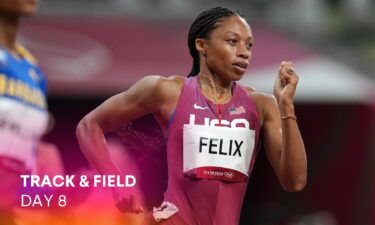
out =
column 286, row 84
column 128, row 201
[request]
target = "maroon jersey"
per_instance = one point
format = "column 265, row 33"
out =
column 210, row 200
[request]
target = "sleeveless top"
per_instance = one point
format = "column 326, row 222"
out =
column 201, row 197
column 23, row 109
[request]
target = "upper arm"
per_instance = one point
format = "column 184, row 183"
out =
column 147, row 95
column 271, row 127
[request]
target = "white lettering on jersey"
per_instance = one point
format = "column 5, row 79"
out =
column 208, row 122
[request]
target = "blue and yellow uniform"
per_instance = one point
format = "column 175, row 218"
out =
column 23, row 109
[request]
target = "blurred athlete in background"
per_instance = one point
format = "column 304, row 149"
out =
column 23, row 109
column 213, row 126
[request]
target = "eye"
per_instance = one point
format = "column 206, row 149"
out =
column 232, row 41
column 249, row 45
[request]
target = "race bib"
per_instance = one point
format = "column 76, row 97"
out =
column 222, row 153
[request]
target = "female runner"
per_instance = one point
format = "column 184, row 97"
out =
column 212, row 126
column 23, row 113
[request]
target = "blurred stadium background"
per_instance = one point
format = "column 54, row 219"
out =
column 92, row 49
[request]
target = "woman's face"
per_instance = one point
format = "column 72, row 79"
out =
column 228, row 48
column 18, row 7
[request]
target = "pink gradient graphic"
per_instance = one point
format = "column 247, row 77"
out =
column 97, row 209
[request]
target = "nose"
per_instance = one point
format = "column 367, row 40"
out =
column 243, row 52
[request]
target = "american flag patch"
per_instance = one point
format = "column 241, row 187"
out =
column 236, row 110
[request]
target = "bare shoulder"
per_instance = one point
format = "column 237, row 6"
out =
column 264, row 101
column 171, row 87
column 156, row 86
column 175, row 81
column 259, row 97
column 177, row 78
column 161, row 83
column 162, row 94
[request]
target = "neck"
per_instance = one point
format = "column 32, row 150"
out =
column 8, row 31
column 214, row 87
column 215, row 82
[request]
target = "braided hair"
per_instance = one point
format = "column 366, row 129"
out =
column 201, row 28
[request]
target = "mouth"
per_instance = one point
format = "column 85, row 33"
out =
column 240, row 66
column 243, row 65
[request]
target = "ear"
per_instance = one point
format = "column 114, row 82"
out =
column 201, row 45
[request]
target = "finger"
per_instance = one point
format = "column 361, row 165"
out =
column 290, row 79
column 278, row 84
column 131, row 204
column 281, row 72
column 290, row 72
column 286, row 69
column 124, row 205
column 121, row 206
column 284, row 78
column 138, row 209
column 135, row 205
column 139, row 206
column 294, row 76
column 287, row 63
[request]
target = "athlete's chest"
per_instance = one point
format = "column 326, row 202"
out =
column 21, row 80
column 231, row 116
column 216, row 146
column 20, row 69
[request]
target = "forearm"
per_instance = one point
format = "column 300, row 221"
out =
column 93, row 145
column 293, row 163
